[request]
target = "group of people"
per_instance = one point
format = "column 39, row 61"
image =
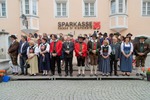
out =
column 42, row 53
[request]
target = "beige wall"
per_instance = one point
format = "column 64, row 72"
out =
column 137, row 24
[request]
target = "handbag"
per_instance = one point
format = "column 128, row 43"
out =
column 26, row 65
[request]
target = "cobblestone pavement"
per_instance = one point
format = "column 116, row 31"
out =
column 76, row 90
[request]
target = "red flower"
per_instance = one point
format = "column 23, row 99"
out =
column 148, row 69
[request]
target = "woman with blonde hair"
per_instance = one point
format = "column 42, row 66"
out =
column 32, row 53
column 105, row 62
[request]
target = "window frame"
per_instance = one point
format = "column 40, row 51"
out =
column 124, row 7
column 1, row 11
column 66, row 2
column 23, row 9
column 89, row 8
column 146, row 7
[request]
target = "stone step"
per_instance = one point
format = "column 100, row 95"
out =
column 74, row 77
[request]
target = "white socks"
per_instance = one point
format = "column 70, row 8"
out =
column 79, row 70
column 83, row 70
column 91, row 68
column 95, row 69
column 15, row 69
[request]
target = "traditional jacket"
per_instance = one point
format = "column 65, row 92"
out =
column 13, row 52
column 141, row 48
column 56, row 47
column 81, row 47
column 94, row 46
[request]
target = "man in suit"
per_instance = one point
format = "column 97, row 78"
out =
column 68, row 47
column 56, row 52
column 13, row 52
column 115, row 55
column 141, row 50
column 23, row 54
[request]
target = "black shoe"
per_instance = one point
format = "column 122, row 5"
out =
column 22, row 74
column 137, row 74
column 116, row 75
column 66, row 75
column 78, row 75
column 71, row 75
column 16, row 73
column 141, row 74
column 95, row 75
column 83, row 75
column 59, row 74
column 91, row 75
column 110, row 74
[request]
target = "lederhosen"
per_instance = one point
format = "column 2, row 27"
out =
column 94, row 57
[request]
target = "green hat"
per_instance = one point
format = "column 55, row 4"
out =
column 143, row 37
column 117, row 33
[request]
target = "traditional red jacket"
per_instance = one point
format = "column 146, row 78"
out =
column 58, row 47
column 84, row 49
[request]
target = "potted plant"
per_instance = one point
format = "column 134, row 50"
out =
column 148, row 74
column 1, row 75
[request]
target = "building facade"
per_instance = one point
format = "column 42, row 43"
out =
column 76, row 16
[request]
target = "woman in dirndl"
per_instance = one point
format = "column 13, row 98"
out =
column 32, row 53
column 105, row 59
column 44, row 56
column 126, row 56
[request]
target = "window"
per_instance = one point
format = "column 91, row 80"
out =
column 118, row 6
column 29, row 7
column 89, row 8
column 34, row 9
column 61, row 8
column 113, row 6
column 3, row 8
column 146, row 8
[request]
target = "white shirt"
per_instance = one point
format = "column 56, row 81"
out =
column 22, row 46
column 36, row 50
column 126, row 45
column 109, row 50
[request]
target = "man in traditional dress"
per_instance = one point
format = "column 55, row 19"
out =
column 141, row 50
column 56, row 52
column 13, row 52
column 81, row 53
column 94, row 50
